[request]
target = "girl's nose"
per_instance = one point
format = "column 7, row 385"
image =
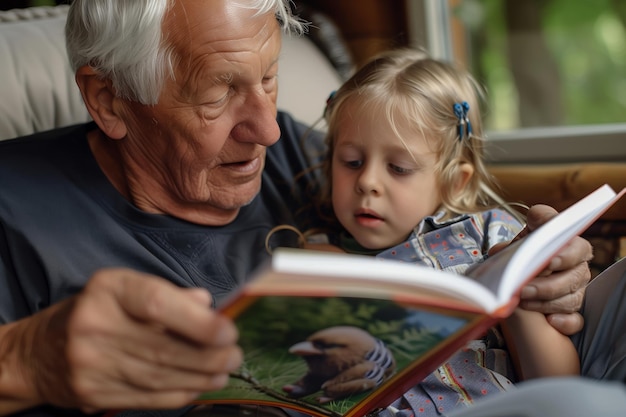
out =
column 368, row 182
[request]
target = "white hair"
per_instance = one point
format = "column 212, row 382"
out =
column 122, row 40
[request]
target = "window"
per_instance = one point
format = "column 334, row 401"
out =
column 554, row 71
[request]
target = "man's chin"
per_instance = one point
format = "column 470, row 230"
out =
column 240, row 198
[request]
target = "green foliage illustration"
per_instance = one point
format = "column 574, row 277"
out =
column 272, row 324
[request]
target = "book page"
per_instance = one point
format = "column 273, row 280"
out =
column 507, row 271
column 311, row 353
column 360, row 272
column 490, row 272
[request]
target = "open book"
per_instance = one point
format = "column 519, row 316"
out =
column 334, row 334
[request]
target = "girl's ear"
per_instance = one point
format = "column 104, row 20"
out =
column 465, row 172
column 100, row 98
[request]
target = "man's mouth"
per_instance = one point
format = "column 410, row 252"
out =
column 244, row 167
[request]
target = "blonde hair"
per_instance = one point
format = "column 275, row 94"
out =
column 412, row 90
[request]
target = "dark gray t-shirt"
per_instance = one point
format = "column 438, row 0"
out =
column 61, row 220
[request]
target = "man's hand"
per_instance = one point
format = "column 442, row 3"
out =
column 559, row 291
column 128, row 340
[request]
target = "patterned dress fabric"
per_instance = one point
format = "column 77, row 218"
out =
column 483, row 366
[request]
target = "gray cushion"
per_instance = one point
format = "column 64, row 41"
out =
column 37, row 87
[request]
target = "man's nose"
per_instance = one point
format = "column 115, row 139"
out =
column 258, row 120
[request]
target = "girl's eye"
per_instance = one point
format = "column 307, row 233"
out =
column 400, row 170
column 355, row 164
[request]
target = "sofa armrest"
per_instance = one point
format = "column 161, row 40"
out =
column 561, row 185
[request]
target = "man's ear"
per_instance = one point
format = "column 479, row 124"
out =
column 99, row 97
column 465, row 172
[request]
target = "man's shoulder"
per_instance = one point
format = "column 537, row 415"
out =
column 289, row 125
column 299, row 148
column 295, row 133
column 36, row 161
column 59, row 132
column 41, row 145
column 290, row 178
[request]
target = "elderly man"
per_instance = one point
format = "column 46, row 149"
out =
column 116, row 235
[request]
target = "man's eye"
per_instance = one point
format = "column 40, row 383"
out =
column 220, row 101
column 270, row 83
column 270, row 79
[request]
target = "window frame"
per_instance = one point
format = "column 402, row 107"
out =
column 430, row 26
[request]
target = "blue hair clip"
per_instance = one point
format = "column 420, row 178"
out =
column 464, row 127
column 458, row 112
column 329, row 100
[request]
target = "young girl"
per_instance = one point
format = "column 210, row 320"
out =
column 405, row 179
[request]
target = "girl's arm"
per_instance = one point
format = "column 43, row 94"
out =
column 537, row 348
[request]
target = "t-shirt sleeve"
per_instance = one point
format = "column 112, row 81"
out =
column 12, row 301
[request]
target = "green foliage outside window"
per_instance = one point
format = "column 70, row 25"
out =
column 44, row 3
column 548, row 62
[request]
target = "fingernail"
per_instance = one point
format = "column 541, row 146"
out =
column 528, row 291
column 530, row 305
column 227, row 334
column 555, row 263
column 555, row 320
column 201, row 295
